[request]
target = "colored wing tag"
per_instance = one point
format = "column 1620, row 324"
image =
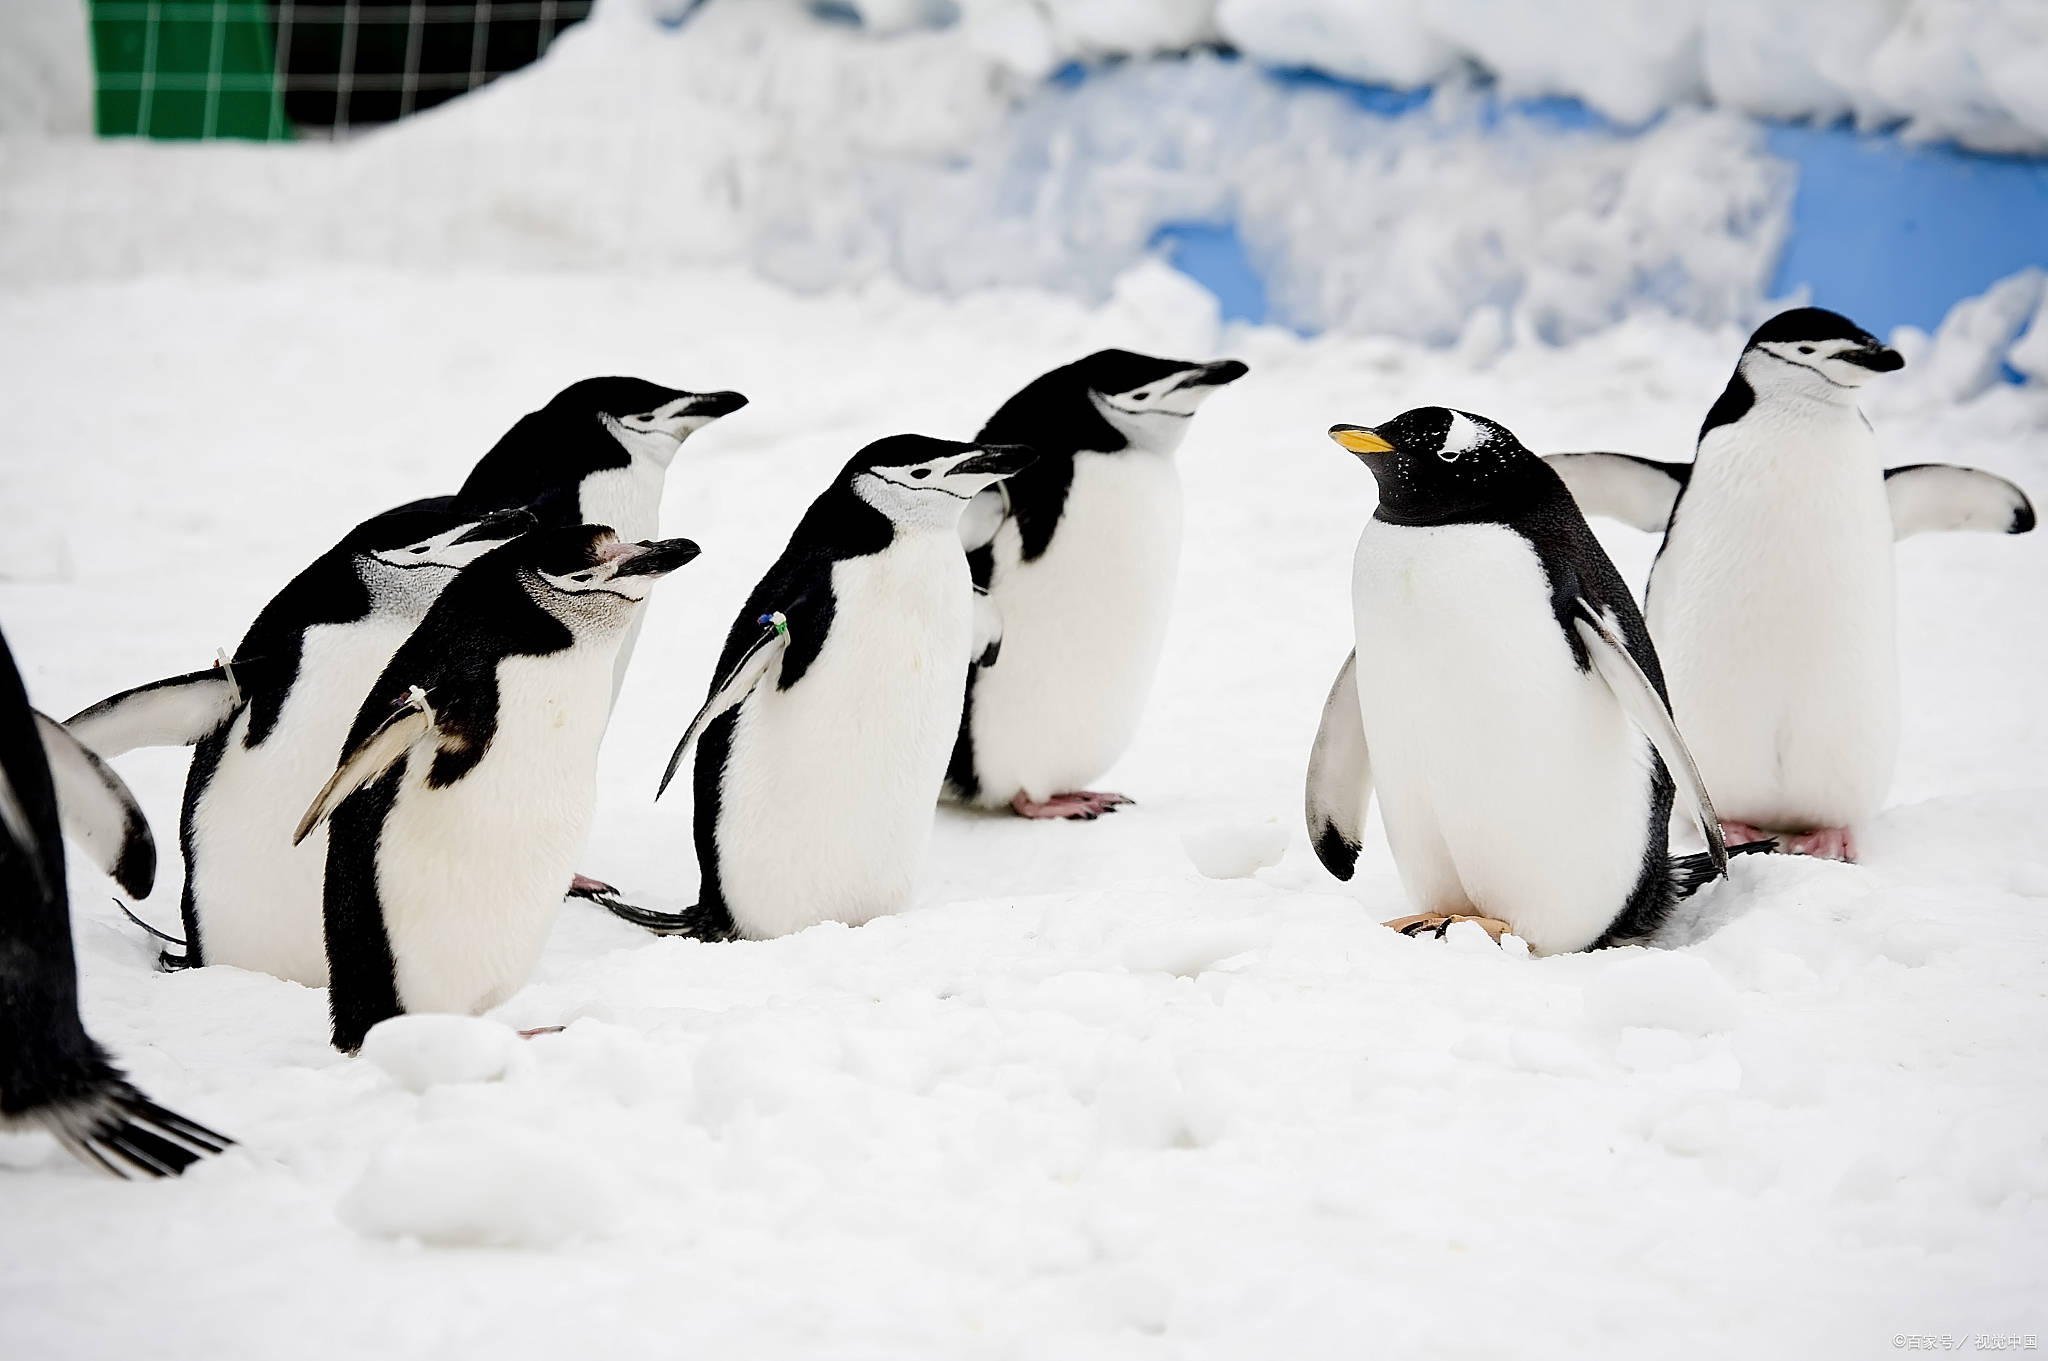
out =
column 1640, row 701
column 391, row 743
column 177, row 712
column 737, row 685
column 1339, row 789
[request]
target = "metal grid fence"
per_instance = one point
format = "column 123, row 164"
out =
column 270, row 69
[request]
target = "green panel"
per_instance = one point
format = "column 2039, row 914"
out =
column 186, row 68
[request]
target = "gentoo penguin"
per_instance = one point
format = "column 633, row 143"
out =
column 464, row 793
column 1077, row 556
column 836, row 699
column 268, row 724
column 52, row 1073
column 1772, row 598
column 1504, row 699
column 596, row 455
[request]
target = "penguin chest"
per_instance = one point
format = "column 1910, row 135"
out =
column 628, row 499
column 469, row 875
column 828, row 793
column 255, row 896
column 1772, row 609
column 1511, row 782
column 1083, row 625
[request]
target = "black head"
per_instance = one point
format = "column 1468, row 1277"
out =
column 575, row 566
column 643, row 407
column 1807, row 344
column 1437, row 466
column 916, row 477
column 1113, row 399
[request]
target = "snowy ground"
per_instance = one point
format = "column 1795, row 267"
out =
column 1082, row 1101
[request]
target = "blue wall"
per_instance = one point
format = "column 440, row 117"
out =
column 1885, row 233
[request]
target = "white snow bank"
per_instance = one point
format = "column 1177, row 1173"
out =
column 426, row 1051
column 828, row 159
column 1966, row 70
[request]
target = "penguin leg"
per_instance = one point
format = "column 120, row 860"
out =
column 1084, row 805
column 1436, row 923
column 1826, row 843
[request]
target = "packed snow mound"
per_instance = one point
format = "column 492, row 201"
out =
column 472, row 1183
column 1966, row 70
column 826, row 158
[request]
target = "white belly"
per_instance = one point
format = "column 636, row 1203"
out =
column 470, row 876
column 1511, row 783
column 1083, row 625
column 257, row 896
column 827, row 802
column 1772, row 610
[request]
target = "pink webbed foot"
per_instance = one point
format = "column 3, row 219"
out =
column 1828, row 843
column 1741, row 833
column 583, row 886
column 542, row 1030
column 1083, row 804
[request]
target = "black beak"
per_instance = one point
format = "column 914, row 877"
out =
column 1004, row 459
column 1882, row 358
column 655, row 559
column 500, row 524
column 715, row 404
column 1217, row 374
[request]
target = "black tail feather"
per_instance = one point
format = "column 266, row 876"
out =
column 124, row 1133
column 1691, row 873
column 164, row 936
column 693, row 922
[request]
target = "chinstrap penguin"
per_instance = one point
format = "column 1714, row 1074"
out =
column 823, row 743
column 53, row 1074
column 465, row 790
column 1772, row 600
column 266, row 727
column 1503, row 700
column 1077, row 556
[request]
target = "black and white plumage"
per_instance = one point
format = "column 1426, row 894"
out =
column 465, row 788
column 53, row 1074
column 597, row 454
column 1772, row 599
column 823, row 743
column 1504, row 701
column 266, row 727
column 1077, row 555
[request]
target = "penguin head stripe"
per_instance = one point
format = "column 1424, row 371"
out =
column 1813, row 349
column 914, row 476
column 1149, row 400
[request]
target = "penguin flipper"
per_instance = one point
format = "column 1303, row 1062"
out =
column 98, row 811
column 1339, row 786
column 1646, row 709
column 21, row 830
column 1639, row 492
column 178, row 712
column 391, row 742
column 988, row 629
column 739, row 682
column 1943, row 496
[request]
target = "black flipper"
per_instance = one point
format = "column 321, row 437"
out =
column 694, row 923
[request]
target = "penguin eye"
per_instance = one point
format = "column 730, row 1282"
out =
column 920, row 472
column 418, row 548
column 581, row 576
column 1141, row 396
column 1806, row 349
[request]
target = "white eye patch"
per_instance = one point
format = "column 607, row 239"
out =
column 1464, row 433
